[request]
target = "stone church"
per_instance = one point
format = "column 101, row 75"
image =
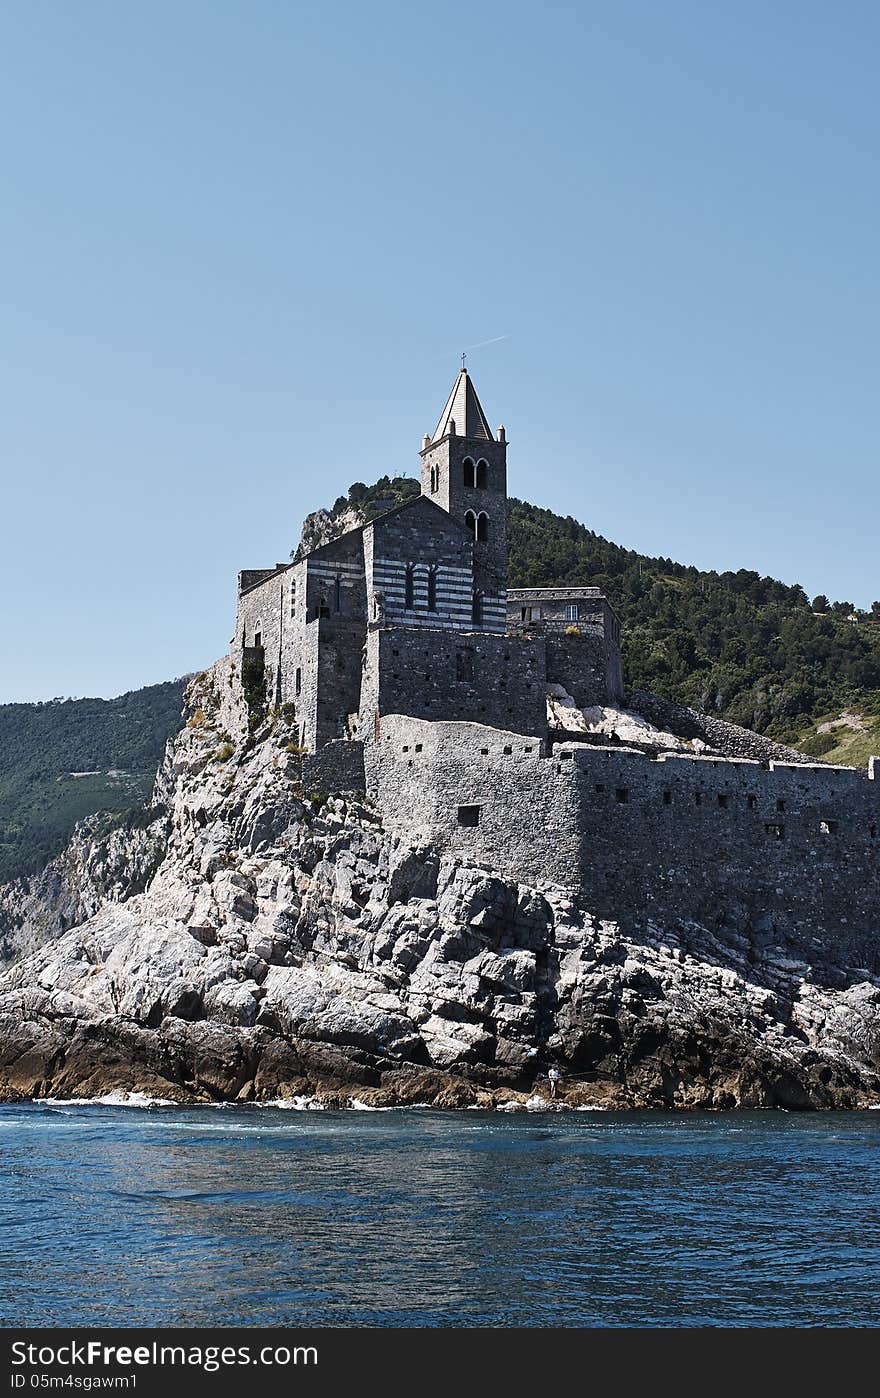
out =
column 411, row 613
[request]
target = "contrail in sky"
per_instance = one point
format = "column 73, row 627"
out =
column 480, row 345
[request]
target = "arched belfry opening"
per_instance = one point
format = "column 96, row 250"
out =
column 470, row 523
column 481, row 478
column 482, row 534
column 467, row 473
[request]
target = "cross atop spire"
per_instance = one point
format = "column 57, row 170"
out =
column 464, row 409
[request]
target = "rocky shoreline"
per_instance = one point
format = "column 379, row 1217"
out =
column 288, row 947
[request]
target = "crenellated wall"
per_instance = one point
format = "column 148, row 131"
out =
column 680, row 837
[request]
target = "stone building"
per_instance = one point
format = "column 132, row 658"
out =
column 413, row 673
column 410, row 613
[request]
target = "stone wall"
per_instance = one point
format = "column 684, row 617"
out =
column 421, row 536
column 460, row 676
column 730, row 842
column 720, row 842
column 338, row 767
column 432, row 779
column 584, row 666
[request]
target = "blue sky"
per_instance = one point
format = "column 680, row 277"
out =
column 242, row 244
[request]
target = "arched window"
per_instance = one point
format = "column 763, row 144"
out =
column 482, row 476
column 482, row 527
column 337, row 594
column 258, row 634
column 470, row 522
column 477, row 609
column 409, row 600
column 432, row 589
column 467, row 467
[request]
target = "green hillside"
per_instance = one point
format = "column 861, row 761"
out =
column 65, row 759
column 748, row 648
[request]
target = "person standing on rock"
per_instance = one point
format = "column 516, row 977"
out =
column 553, row 1078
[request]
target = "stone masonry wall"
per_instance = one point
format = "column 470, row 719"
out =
column 463, row 676
column 582, row 664
column 423, row 775
column 680, row 837
column 337, row 767
column 721, row 841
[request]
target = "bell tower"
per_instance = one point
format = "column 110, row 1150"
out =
column 464, row 470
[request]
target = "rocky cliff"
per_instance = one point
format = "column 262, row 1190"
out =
column 288, row 946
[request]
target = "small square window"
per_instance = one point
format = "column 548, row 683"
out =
column 828, row 827
column 723, row 800
column 621, row 795
column 507, row 752
column 780, row 805
column 418, row 747
column 775, row 831
column 469, row 815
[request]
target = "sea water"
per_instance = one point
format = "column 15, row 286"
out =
column 163, row 1216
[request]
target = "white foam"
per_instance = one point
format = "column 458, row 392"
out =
column 113, row 1099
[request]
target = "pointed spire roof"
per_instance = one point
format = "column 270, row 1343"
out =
column 464, row 409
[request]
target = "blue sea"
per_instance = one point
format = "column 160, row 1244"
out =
column 162, row 1216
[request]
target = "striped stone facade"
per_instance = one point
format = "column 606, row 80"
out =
column 408, row 614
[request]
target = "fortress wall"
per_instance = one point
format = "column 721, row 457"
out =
column 430, row 777
column 336, row 767
column 730, row 841
column 471, row 676
column 719, row 842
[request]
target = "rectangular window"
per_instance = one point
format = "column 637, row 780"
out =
column 751, row 802
column 621, row 795
column 571, row 612
column 469, row 815
column 723, row 800
column 780, row 805
column 299, row 681
column 667, row 798
column 776, row 832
